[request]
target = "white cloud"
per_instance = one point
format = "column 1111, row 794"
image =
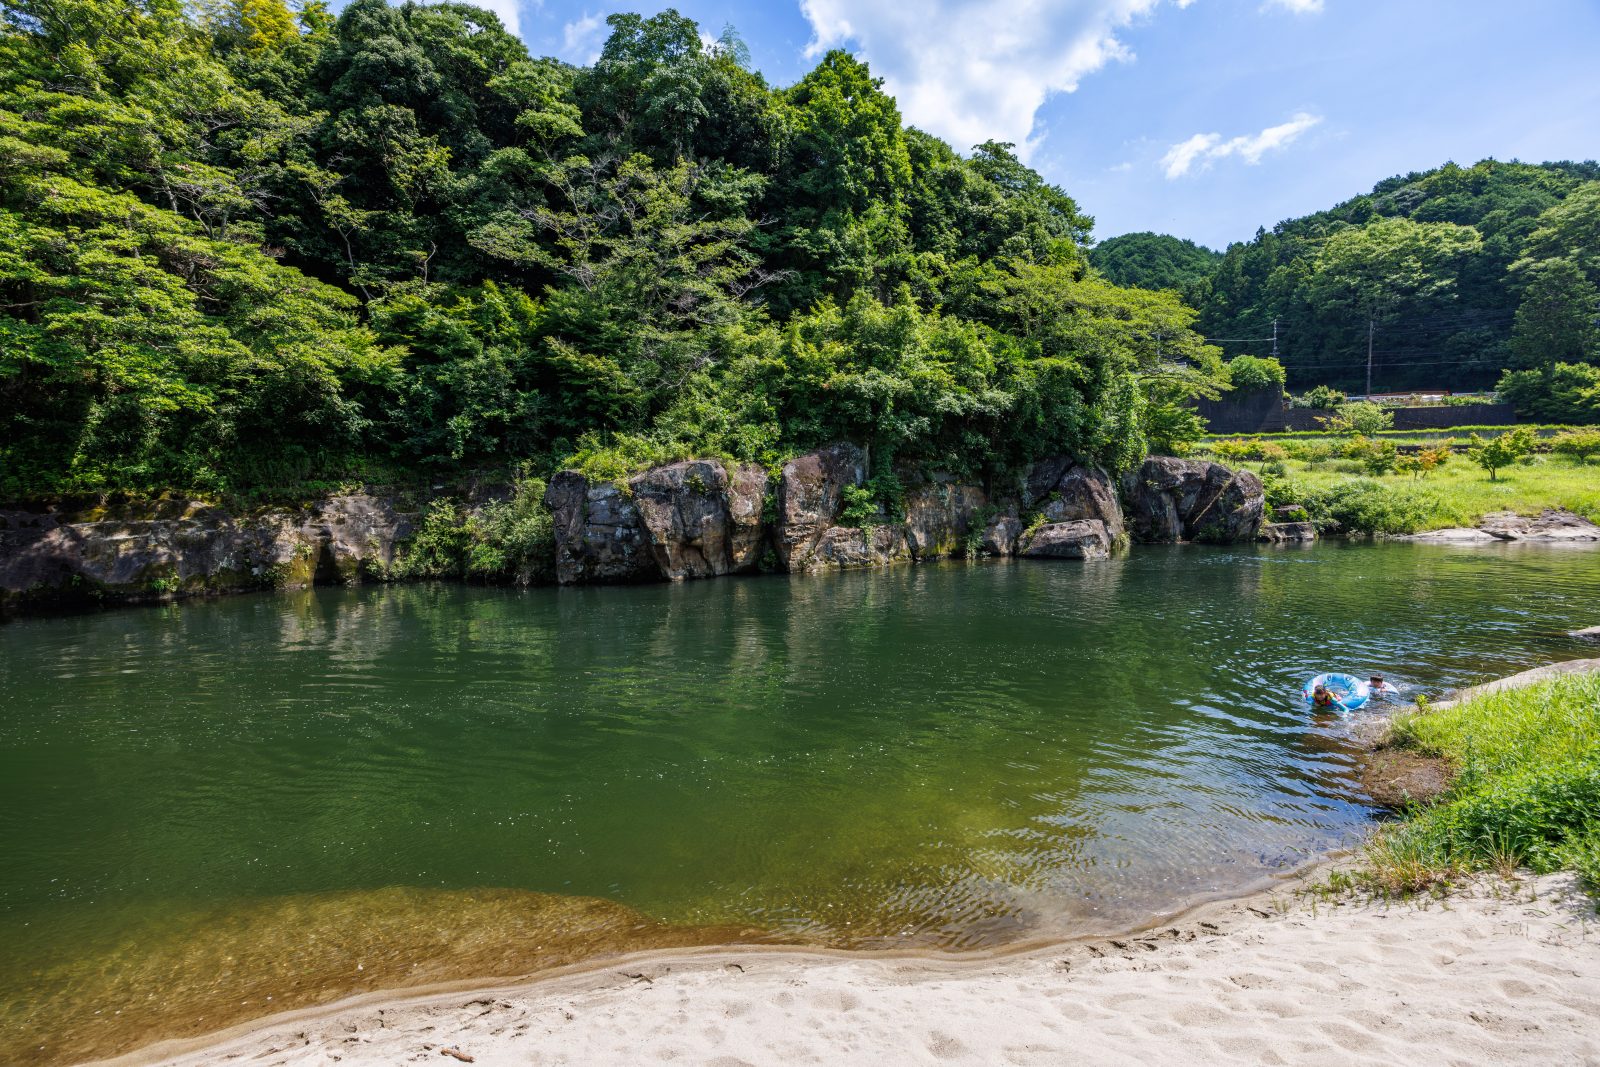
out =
column 1203, row 148
column 972, row 70
column 1299, row 7
column 510, row 12
column 581, row 39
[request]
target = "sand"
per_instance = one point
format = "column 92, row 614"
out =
column 1496, row 973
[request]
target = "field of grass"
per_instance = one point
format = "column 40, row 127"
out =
column 1399, row 437
column 1526, row 792
column 1460, row 493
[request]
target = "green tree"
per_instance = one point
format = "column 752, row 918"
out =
column 1558, row 320
column 1496, row 453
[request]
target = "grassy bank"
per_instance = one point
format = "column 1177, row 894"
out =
column 1526, row 790
column 1458, row 494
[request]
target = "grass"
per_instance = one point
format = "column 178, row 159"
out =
column 1399, row 437
column 1460, row 493
column 1526, row 793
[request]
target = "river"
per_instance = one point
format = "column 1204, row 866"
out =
column 215, row 810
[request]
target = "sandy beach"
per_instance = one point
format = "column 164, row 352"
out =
column 1496, row 973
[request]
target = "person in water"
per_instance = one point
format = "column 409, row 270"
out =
column 1380, row 689
column 1322, row 698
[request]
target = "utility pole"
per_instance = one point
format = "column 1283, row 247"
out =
column 1274, row 338
column 1370, row 326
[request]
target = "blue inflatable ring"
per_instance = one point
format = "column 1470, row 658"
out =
column 1347, row 689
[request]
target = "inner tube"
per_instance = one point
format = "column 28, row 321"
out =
column 1347, row 689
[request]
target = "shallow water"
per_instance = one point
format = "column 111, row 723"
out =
column 301, row 796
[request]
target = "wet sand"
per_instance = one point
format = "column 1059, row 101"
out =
column 1497, row 972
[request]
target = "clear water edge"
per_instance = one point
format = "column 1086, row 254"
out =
column 954, row 815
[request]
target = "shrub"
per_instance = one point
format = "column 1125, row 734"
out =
column 1495, row 453
column 1580, row 445
column 1234, row 450
column 1570, row 393
column 882, row 499
column 514, row 540
column 1320, row 398
column 1361, row 417
column 439, row 547
column 1365, row 506
column 1247, row 373
column 1283, row 491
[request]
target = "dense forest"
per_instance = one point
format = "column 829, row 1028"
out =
column 1457, row 274
column 1156, row 261
column 246, row 246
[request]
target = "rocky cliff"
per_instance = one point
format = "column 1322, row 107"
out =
column 694, row 519
column 185, row 548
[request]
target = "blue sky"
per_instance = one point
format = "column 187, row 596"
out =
column 1201, row 118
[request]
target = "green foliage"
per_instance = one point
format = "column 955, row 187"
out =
column 1247, row 373
column 1364, row 506
column 241, row 248
column 509, row 540
column 1155, row 261
column 439, row 547
column 881, row 500
column 1558, row 320
column 1320, row 398
column 1526, row 791
column 1566, row 393
column 1500, row 451
column 1362, row 417
column 1436, row 262
column 1581, row 445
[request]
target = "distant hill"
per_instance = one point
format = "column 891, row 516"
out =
column 1434, row 264
column 1154, row 261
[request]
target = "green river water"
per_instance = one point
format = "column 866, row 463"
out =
column 216, row 810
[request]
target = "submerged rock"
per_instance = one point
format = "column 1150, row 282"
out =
column 1077, row 539
column 1168, row 500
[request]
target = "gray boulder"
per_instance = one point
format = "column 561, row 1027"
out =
column 1168, row 500
column 1282, row 533
column 1066, row 491
column 178, row 548
column 1000, row 536
column 850, row 546
column 1076, row 539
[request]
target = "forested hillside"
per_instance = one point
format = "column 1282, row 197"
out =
column 1155, row 261
column 242, row 247
column 1458, row 274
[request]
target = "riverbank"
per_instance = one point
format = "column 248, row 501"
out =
column 1499, row 972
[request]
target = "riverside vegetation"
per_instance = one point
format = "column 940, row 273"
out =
column 255, row 254
column 1525, row 793
column 1406, row 483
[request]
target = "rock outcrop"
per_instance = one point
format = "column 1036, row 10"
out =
column 599, row 533
column 1552, row 526
column 181, row 548
column 939, row 516
column 1168, row 500
column 1076, row 539
column 698, row 521
column 1287, row 533
column 810, row 494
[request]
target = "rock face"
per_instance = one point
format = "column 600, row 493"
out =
column 1000, row 536
column 848, row 546
column 1077, row 539
column 599, row 534
column 1286, row 533
column 1552, row 526
column 699, row 522
column 939, row 517
column 1168, row 500
column 810, row 493
column 187, row 548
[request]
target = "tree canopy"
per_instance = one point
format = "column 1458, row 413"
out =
column 246, row 246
